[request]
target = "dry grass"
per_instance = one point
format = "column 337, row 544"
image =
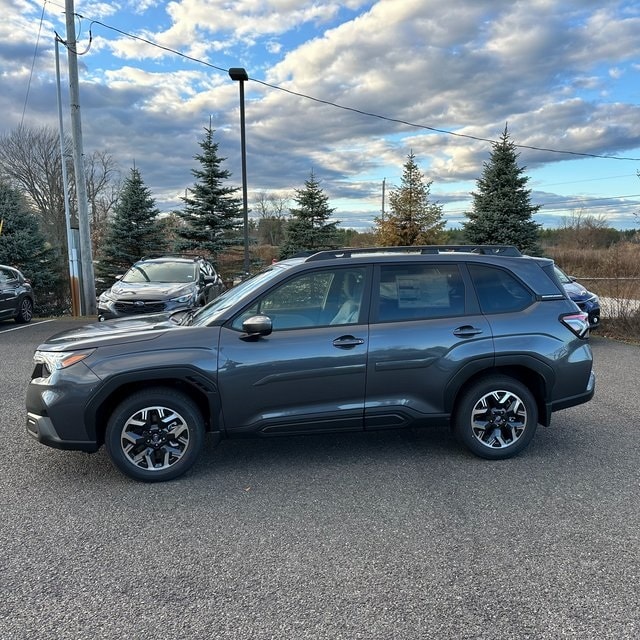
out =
column 610, row 273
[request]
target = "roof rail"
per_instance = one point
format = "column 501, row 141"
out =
column 484, row 249
column 188, row 256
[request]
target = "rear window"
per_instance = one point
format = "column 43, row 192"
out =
column 498, row 290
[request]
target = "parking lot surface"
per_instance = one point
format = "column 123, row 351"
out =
column 387, row 535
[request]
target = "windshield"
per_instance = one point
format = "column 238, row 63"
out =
column 212, row 311
column 562, row 276
column 161, row 272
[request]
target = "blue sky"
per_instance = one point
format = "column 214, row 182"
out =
column 563, row 75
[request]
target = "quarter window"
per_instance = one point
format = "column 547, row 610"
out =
column 498, row 291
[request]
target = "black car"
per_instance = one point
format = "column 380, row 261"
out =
column 346, row 340
column 165, row 284
column 586, row 300
column 16, row 295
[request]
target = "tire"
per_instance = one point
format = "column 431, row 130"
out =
column 25, row 311
column 155, row 435
column 496, row 418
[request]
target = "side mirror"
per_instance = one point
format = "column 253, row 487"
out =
column 257, row 326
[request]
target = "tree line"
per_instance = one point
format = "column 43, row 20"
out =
column 127, row 225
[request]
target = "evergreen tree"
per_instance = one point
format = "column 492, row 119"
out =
column 23, row 246
column 309, row 228
column 133, row 232
column 212, row 213
column 413, row 219
column 502, row 210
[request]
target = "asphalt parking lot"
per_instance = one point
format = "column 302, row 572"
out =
column 392, row 535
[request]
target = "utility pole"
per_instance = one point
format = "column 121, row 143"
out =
column 74, row 272
column 384, row 183
column 86, row 261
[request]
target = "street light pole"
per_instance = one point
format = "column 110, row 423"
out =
column 239, row 74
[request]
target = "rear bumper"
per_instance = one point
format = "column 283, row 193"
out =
column 573, row 401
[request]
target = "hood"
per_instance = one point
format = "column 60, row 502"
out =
column 576, row 291
column 150, row 290
column 121, row 330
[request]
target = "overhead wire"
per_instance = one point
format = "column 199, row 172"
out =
column 33, row 64
column 344, row 107
column 353, row 109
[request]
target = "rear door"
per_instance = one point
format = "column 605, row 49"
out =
column 426, row 330
column 309, row 373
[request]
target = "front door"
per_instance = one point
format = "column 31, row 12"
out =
column 309, row 373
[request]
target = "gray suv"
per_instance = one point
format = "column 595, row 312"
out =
column 478, row 338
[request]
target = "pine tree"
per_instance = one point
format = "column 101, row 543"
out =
column 502, row 210
column 212, row 213
column 134, row 231
column 309, row 228
column 413, row 219
column 23, row 246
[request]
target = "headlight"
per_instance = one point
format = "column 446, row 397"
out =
column 182, row 299
column 52, row 360
column 106, row 296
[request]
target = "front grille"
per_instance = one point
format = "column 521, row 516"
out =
column 135, row 306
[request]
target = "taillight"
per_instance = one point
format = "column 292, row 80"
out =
column 578, row 323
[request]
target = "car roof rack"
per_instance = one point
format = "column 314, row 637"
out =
column 482, row 249
column 186, row 256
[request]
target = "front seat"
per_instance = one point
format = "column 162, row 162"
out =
column 350, row 308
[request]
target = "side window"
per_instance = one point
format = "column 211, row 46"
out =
column 498, row 290
column 4, row 276
column 315, row 299
column 412, row 292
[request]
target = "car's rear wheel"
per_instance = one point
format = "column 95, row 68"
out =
column 155, row 435
column 25, row 311
column 496, row 418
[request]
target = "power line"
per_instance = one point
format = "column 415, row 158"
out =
column 353, row 109
column 33, row 64
column 574, row 202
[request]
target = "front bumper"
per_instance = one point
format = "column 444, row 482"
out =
column 41, row 428
column 56, row 408
column 109, row 309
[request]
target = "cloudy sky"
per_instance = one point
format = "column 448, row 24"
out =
column 347, row 89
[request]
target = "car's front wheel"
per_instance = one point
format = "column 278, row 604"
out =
column 496, row 418
column 155, row 435
column 25, row 311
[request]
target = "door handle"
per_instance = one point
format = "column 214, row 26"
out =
column 347, row 342
column 466, row 331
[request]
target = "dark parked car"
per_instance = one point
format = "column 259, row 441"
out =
column 16, row 295
column 155, row 285
column 587, row 301
column 340, row 340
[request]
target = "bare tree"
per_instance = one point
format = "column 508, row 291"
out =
column 272, row 209
column 103, row 189
column 30, row 159
column 581, row 230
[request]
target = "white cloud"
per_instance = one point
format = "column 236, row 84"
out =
column 467, row 67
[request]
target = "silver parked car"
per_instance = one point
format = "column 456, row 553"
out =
column 164, row 284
